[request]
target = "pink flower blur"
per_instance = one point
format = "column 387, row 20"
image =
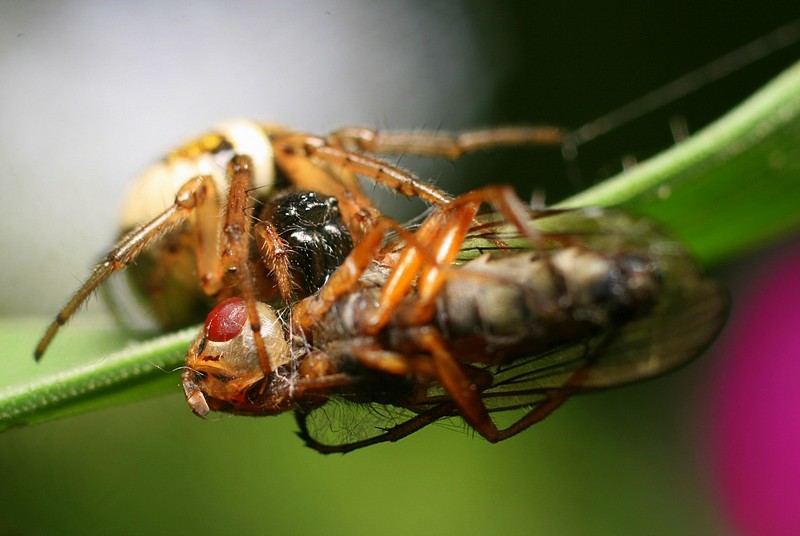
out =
column 756, row 427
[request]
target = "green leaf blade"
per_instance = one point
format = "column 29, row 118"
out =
column 731, row 188
column 89, row 377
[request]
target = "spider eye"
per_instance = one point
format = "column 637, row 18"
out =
column 226, row 320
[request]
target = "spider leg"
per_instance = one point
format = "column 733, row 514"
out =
column 318, row 176
column 307, row 312
column 442, row 144
column 437, row 241
column 466, row 394
column 297, row 153
column 440, row 237
column 275, row 256
column 198, row 194
column 235, row 247
column 344, row 150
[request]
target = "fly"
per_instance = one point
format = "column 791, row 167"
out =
column 468, row 315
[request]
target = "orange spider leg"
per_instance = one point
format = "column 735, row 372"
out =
column 298, row 153
column 275, row 257
column 196, row 195
column 442, row 144
column 309, row 159
column 308, row 311
column 503, row 199
column 292, row 155
column 443, row 233
column 466, row 394
column 437, row 240
column 235, row 247
column 445, row 248
column 307, row 174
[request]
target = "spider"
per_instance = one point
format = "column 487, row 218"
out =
column 261, row 212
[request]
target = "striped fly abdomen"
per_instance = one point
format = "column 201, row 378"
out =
column 532, row 302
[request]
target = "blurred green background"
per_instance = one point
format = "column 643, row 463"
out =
column 629, row 461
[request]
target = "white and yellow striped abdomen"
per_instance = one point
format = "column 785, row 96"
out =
column 207, row 155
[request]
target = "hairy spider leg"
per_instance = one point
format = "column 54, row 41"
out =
column 198, row 195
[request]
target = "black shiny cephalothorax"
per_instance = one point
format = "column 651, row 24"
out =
column 317, row 239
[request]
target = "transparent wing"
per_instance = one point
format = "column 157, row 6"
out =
column 674, row 333
column 596, row 228
column 341, row 425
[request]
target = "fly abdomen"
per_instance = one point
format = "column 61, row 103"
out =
column 532, row 302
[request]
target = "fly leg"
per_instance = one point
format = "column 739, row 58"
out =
column 425, row 372
column 393, row 363
column 319, row 376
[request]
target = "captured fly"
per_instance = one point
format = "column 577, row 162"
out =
column 496, row 318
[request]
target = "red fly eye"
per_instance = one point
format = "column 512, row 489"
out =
column 226, row 320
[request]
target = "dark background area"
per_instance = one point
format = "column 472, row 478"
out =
column 602, row 56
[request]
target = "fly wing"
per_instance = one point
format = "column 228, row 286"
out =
column 342, row 426
column 674, row 333
column 680, row 328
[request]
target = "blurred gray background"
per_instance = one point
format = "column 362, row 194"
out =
column 91, row 93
